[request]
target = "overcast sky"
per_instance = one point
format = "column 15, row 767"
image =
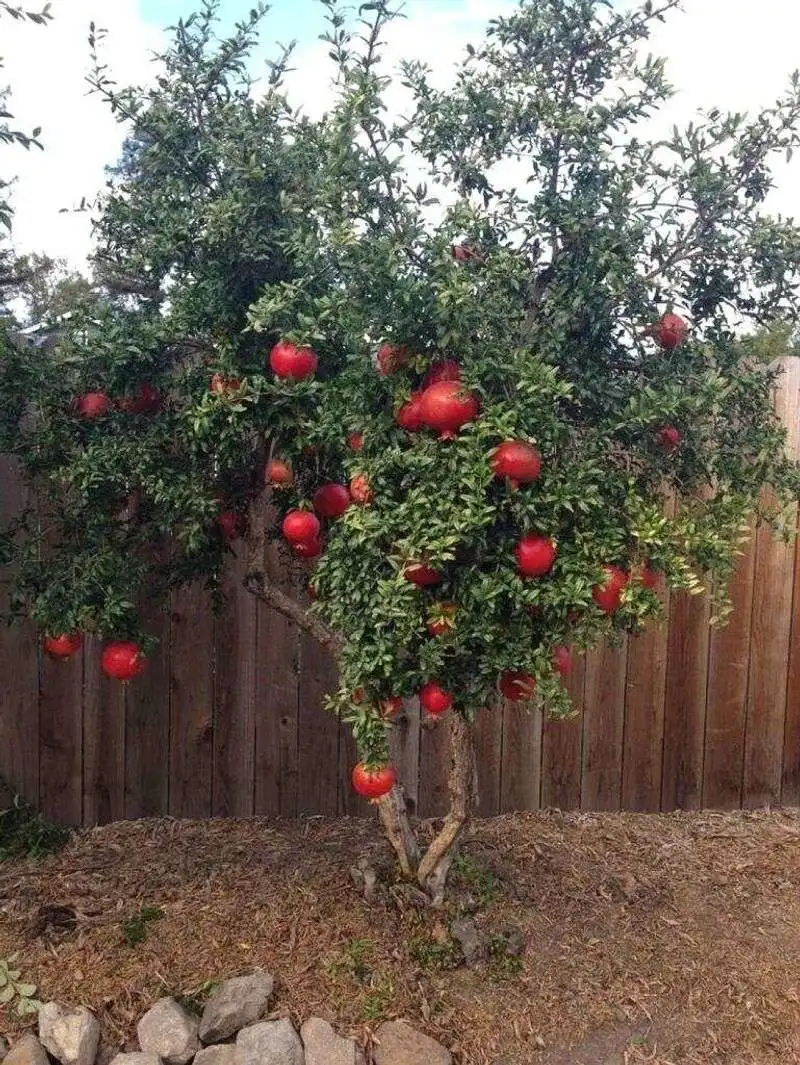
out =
column 736, row 54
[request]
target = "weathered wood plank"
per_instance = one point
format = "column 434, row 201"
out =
column 60, row 740
column 520, row 774
column 603, row 724
column 562, row 743
column 644, row 717
column 104, row 714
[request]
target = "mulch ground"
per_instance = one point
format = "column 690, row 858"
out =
column 661, row 939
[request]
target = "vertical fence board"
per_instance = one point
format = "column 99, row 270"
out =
column 434, row 760
column 191, row 703
column 604, row 718
column 277, row 664
column 235, row 693
column 147, row 724
column 103, row 741
column 685, row 702
column 60, row 740
column 520, row 773
column 562, row 746
column 19, row 665
column 644, row 718
column 728, row 667
column 790, row 784
column 489, row 752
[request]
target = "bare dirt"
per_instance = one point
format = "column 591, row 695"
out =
column 661, row 939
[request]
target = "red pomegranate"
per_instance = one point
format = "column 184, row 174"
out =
column 145, row 400
column 390, row 707
column 360, row 491
column 670, row 332
column 300, row 527
column 462, row 253
column 391, row 358
column 608, row 595
column 331, row 500
column 649, row 578
column 224, row 386
column 230, row 525
column 371, row 782
column 521, row 463
column 308, row 548
column 535, row 555
column 409, row 416
column 669, row 437
column 562, row 660
column 122, row 660
column 278, row 473
column 434, row 699
column 63, row 646
column 446, row 407
column 516, row 686
column 421, row 574
column 440, row 618
column 290, row 361
column 445, row 370
column 355, row 441
column 92, row 405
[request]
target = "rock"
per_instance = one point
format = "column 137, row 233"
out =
column 27, row 1051
column 269, row 1043
column 324, row 1047
column 398, row 1043
column 4, row 1048
column 466, row 934
column 220, row 1055
column 169, row 1031
column 235, row 1004
column 71, row 1035
column 136, row 1057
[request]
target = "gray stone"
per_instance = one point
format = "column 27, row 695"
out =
column 466, row 934
column 4, row 1047
column 70, row 1034
column 235, row 1004
column 27, row 1051
column 324, row 1047
column 169, row 1031
column 269, row 1043
column 136, row 1057
column 219, row 1055
column 397, row 1043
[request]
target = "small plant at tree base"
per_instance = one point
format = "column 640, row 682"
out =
column 24, row 833
column 13, row 991
column 538, row 336
column 135, row 929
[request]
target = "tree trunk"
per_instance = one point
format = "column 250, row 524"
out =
column 430, row 871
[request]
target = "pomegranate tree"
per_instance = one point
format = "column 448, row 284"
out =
column 463, row 399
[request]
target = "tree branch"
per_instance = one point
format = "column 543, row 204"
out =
column 256, row 582
column 394, row 818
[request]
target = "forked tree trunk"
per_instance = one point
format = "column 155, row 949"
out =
column 430, row 868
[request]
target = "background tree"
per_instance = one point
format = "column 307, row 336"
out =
column 478, row 349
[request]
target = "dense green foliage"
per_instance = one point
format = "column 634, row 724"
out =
column 232, row 222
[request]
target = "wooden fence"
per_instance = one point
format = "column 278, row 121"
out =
column 227, row 720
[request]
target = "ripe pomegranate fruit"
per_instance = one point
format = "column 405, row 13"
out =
column 669, row 437
column 670, row 332
column 440, row 618
column 224, row 386
column 287, row 360
column 390, row 707
column 446, row 407
column 331, row 500
column 122, row 660
column 278, row 473
column 562, row 660
column 535, row 555
column 63, row 646
column 608, row 595
column 409, row 416
column 421, row 574
column 649, row 578
column 462, row 253
column 360, row 491
column 521, row 463
column 445, row 370
column 92, row 405
column 434, row 699
column 516, row 686
column 230, row 525
column 372, row 782
column 300, row 527
column 391, row 358
column 308, row 548
column 355, row 441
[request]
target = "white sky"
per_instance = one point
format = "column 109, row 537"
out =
column 736, row 54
